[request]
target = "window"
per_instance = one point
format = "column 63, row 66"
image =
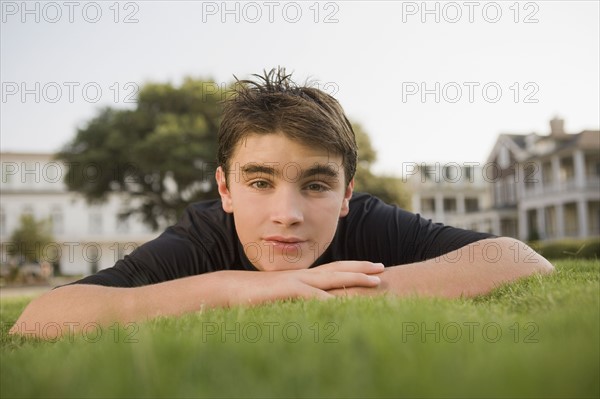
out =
column 469, row 174
column 532, row 225
column 427, row 204
column 567, row 170
column 471, row 204
column 429, row 173
column 451, row 173
column 571, row 225
column 449, row 204
column 508, row 227
column 592, row 165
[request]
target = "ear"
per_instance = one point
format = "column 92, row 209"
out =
column 346, row 202
column 224, row 192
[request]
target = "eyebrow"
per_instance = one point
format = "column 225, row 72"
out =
column 319, row 169
column 325, row 170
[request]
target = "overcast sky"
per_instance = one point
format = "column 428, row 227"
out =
column 429, row 83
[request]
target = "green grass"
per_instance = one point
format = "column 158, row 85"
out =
column 538, row 337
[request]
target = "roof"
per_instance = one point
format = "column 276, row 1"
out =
column 532, row 145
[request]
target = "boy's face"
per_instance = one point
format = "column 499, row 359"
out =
column 286, row 199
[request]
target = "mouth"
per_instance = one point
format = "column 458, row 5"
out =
column 280, row 241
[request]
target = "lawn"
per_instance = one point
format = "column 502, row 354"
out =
column 538, row 337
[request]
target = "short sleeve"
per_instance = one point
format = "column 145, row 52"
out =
column 203, row 241
column 378, row 232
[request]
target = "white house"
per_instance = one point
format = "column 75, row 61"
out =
column 549, row 186
column 87, row 237
column 452, row 194
column 531, row 187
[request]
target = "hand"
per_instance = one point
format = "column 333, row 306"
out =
column 379, row 289
column 259, row 287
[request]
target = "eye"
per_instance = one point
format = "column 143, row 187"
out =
column 260, row 184
column 317, row 187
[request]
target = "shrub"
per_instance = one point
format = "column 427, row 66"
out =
column 569, row 248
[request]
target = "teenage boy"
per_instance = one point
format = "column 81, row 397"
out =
column 287, row 225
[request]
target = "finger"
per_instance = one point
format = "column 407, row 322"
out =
column 357, row 266
column 332, row 280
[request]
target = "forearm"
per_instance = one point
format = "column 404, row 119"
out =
column 472, row 270
column 76, row 305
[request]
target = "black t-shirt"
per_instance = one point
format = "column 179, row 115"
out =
column 205, row 240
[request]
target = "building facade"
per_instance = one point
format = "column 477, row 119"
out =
column 451, row 193
column 87, row 237
column 532, row 187
column 550, row 184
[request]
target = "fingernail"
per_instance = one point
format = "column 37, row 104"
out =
column 374, row 279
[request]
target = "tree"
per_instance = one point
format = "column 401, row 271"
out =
column 388, row 188
column 28, row 241
column 160, row 155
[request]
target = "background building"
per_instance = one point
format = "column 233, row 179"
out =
column 551, row 184
column 531, row 187
column 87, row 237
column 452, row 194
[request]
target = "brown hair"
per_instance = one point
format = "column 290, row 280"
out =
column 275, row 103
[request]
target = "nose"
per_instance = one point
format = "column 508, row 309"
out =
column 286, row 207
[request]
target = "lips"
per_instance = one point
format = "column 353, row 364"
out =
column 285, row 240
column 283, row 243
